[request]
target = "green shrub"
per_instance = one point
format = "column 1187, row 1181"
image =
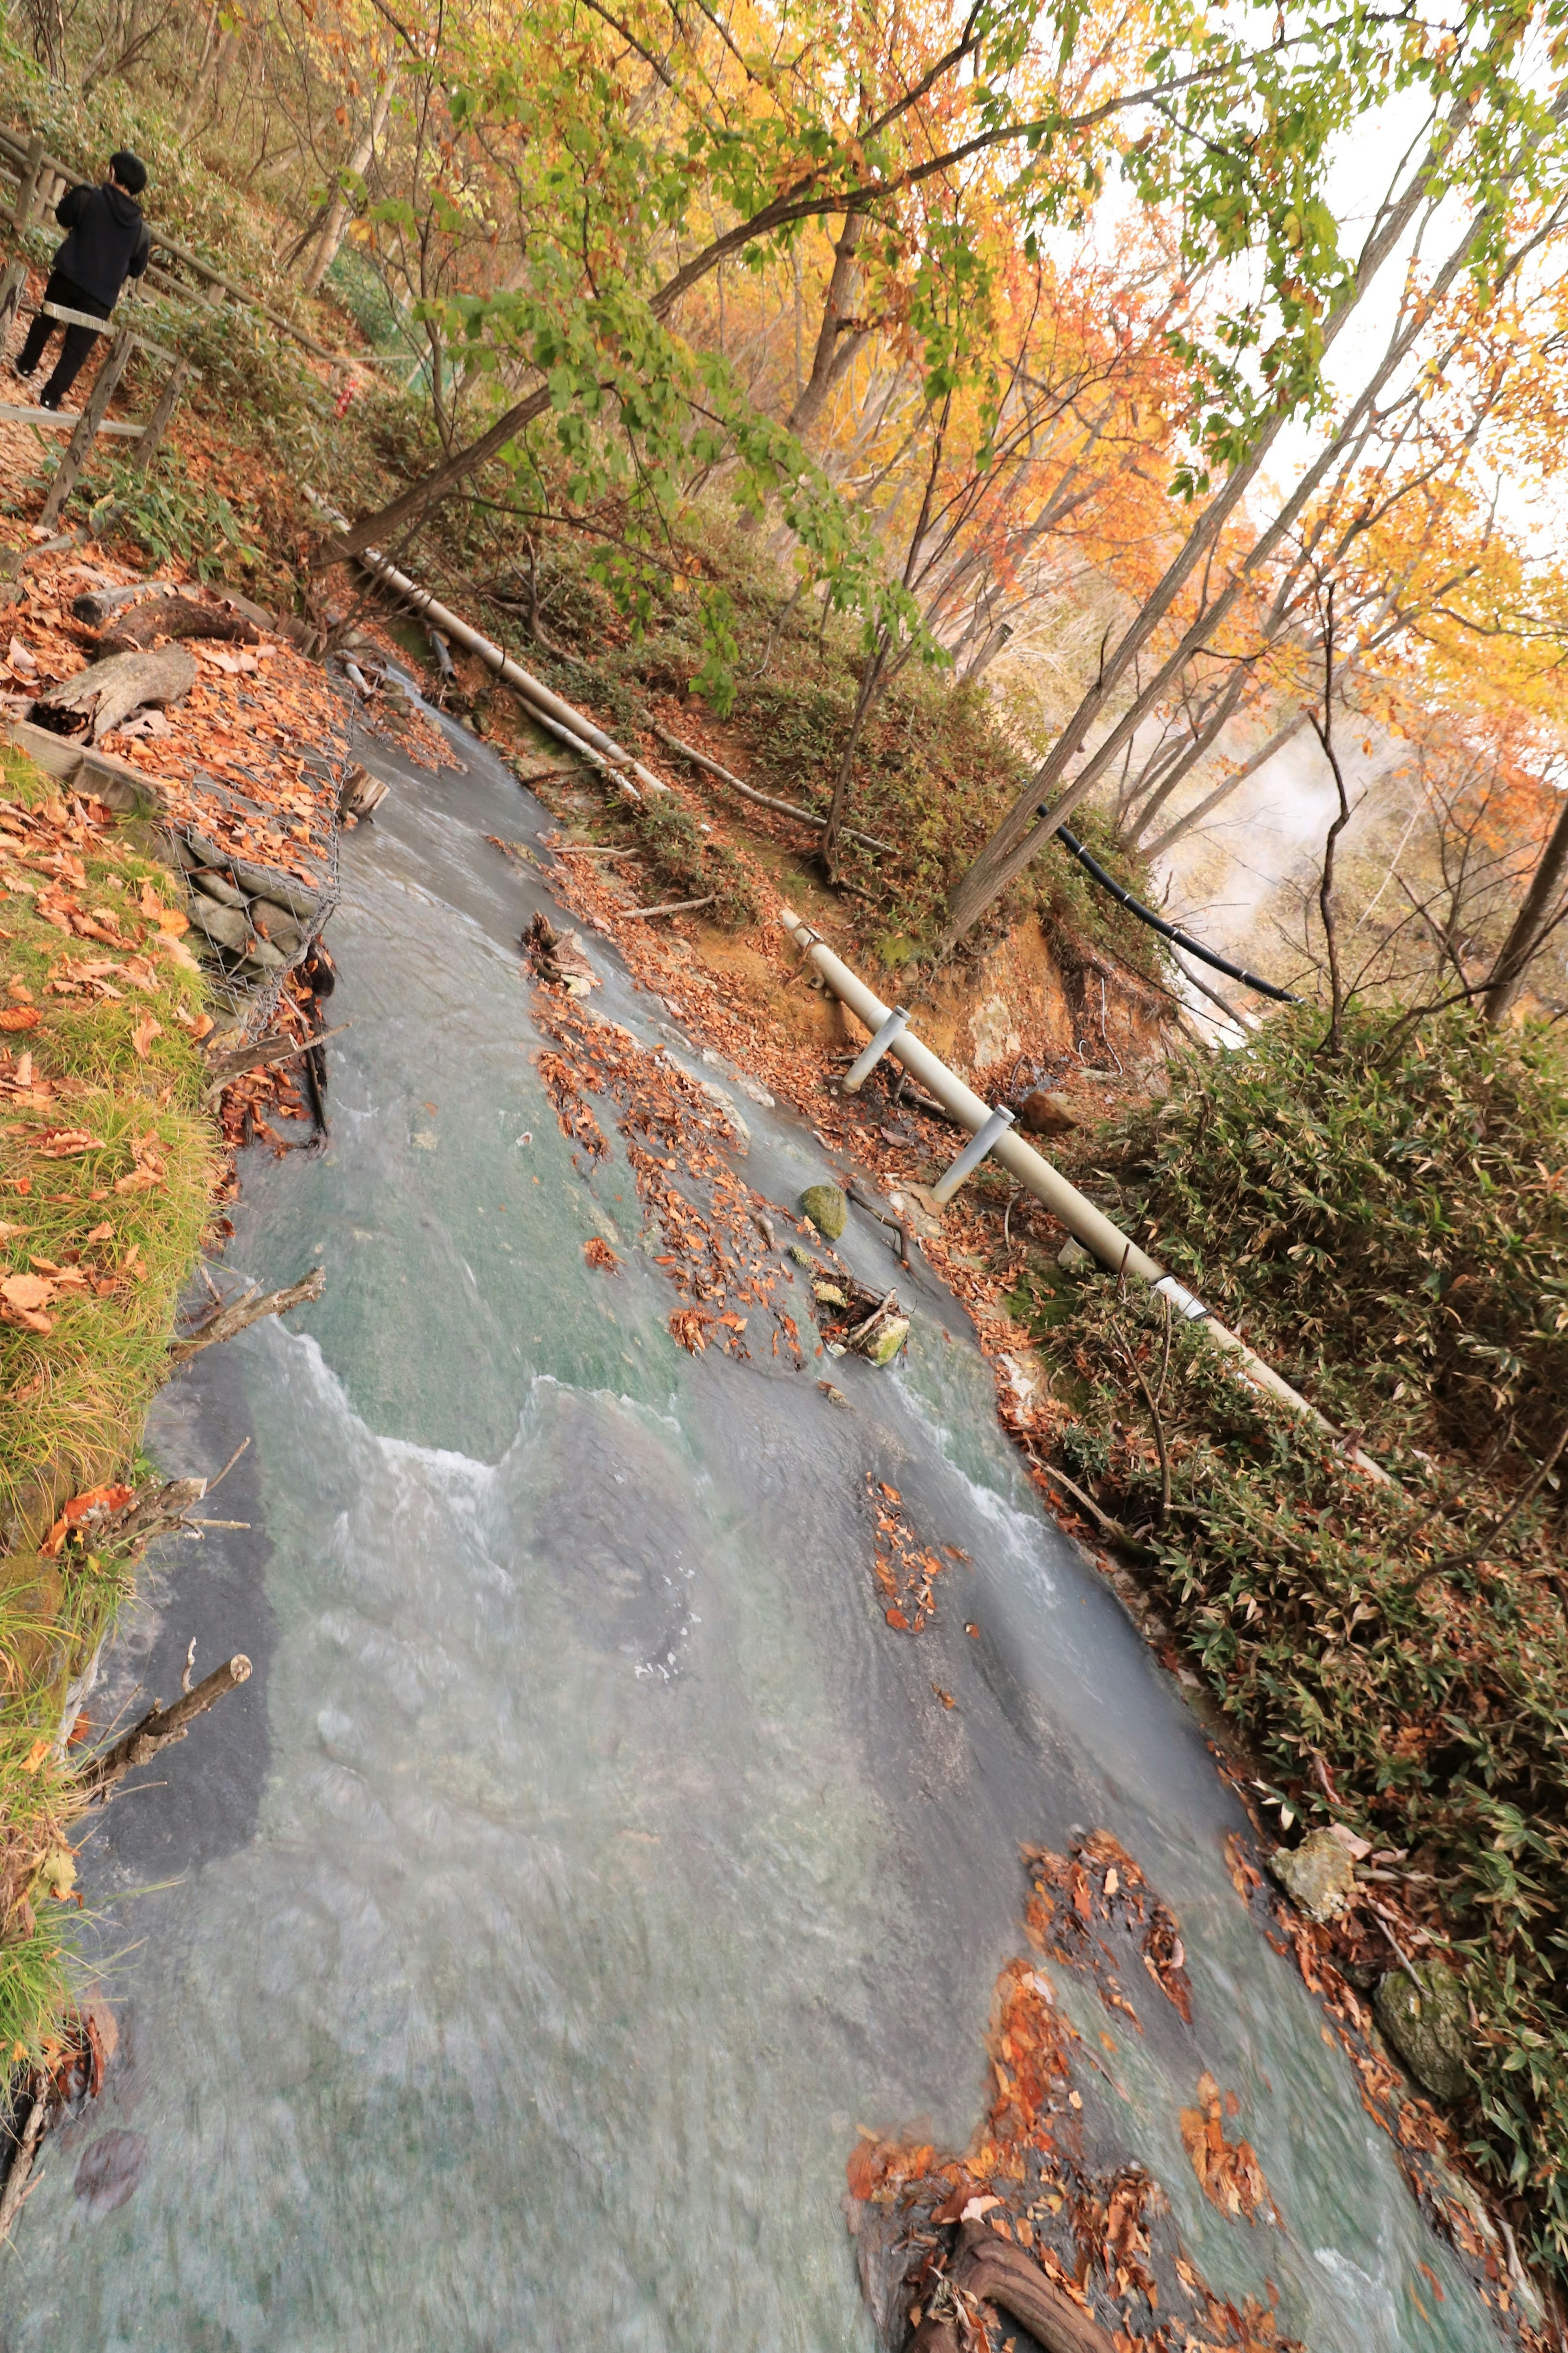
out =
column 1390, row 1228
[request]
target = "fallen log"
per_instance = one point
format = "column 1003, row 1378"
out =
column 995, row 2271
column 98, row 697
column 160, row 1728
column 175, row 616
column 98, row 606
column 224, row 1322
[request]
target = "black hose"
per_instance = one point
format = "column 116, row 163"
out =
column 1092, row 865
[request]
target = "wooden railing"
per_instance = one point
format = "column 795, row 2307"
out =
column 88, row 422
column 42, row 179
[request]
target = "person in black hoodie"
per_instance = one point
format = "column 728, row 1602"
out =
column 109, row 242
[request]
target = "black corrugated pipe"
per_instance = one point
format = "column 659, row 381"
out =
column 1092, row 865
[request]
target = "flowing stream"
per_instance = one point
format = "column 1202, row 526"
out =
column 512, row 1962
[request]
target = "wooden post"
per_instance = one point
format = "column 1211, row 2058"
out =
column 12, row 288
column 146, row 448
column 91, row 417
column 29, row 185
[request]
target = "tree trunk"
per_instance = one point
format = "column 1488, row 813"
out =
column 871, row 685
column 835, row 321
column 209, row 86
column 1029, row 824
column 335, row 227
column 1530, row 926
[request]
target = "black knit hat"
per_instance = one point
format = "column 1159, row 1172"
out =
column 129, row 170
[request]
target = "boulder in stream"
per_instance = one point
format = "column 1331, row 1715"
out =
column 1429, row 2026
column 826, row 1208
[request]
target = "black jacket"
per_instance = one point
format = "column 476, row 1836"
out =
column 109, row 241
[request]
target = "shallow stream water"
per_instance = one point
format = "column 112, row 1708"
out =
column 512, row 1963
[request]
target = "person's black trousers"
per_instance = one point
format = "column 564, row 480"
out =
column 76, row 342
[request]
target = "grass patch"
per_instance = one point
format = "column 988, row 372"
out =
column 105, row 1169
column 1391, row 1227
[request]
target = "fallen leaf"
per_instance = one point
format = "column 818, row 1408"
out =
column 64, row 1143
column 598, row 1253
column 21, row 661
column 27, row 1291
column 20, row 1016
column 56, row 1873
column 141, row 1037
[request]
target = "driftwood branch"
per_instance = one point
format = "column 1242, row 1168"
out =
column 264, row 1055
column 225, row 1322
column 108, row 692
column 763, row 800
column 25, row 2149
column 672, row 907
column 160, row 1728
column 153, row 1512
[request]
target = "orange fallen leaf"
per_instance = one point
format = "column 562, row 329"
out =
column 94, row 1502
column 599, row 1253
column 20, row 1016
column 27, row 1291
column 141, row 1037
column 63, row 1143
column 1228, row 2171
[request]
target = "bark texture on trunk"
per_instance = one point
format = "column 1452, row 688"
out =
column 1527, row 931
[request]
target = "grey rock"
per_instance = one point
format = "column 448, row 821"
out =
column 281, row 929
column 1318, row 1876
column 803, row 1258
column 1429, row 2026
column 271, row 882
column 826, row 1208
column 224, row 926
column 217, row 886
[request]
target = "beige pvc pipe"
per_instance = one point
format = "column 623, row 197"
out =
column 559, row 717
column 1086, row 1224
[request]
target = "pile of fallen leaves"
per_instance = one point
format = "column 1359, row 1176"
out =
column 676, row 1135
column 1044, row 2220
column 1099, row 1881
column 905, row 1568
